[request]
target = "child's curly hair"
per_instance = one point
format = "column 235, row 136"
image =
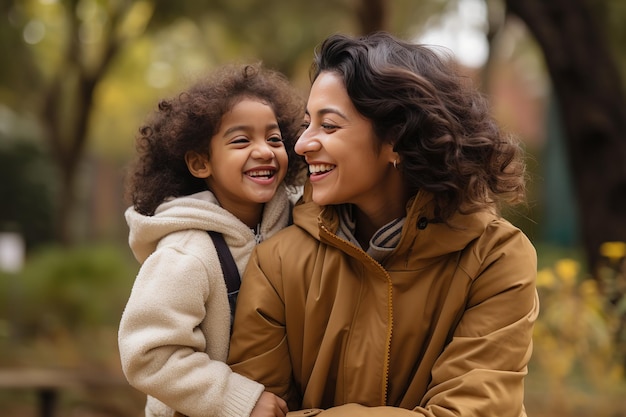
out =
column 188, row 121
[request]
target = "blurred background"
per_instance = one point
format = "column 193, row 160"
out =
column 78, row 77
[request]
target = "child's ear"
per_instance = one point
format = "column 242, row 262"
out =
column 198, row 164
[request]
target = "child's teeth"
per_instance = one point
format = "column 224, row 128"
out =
column 264, row 173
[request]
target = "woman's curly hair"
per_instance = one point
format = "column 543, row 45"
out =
column 188, row 121
column 441, row 127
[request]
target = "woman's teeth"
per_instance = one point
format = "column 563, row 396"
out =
column 320, row 168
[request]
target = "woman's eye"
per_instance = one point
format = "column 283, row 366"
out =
column 327, row 126
column 305, row 125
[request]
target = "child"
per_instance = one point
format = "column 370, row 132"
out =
column 211, row 159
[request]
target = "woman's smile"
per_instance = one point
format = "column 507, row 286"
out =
column 319, row 169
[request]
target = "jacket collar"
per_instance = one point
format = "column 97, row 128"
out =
column 423, row 237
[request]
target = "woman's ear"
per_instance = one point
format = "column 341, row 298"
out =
column 396, row 159
column 198, row 164
column 391, row 155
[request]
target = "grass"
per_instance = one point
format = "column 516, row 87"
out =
column 68, row 307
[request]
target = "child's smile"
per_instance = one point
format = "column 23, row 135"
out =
column 247, row 160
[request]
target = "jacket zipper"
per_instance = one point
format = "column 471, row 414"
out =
column 339, row 243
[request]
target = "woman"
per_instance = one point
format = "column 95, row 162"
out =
column 399, row 290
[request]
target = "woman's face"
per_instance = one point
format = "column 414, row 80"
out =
column 340, row 147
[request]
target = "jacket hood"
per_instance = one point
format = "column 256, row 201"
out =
column 199, row 211
column 431, row 238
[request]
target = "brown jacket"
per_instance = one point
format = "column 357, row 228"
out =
column 442, row 326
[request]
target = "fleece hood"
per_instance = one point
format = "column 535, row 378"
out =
column 201, row 211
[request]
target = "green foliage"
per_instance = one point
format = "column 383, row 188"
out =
column 549, row 254
column 68, row 290
column 580, row 327
column 611, row 276
column 27, row 206
column 577, row 368
column 611, row 15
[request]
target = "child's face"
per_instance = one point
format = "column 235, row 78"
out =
column 248, row 160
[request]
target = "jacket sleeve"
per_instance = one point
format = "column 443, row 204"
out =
column 481, row 370
column 163, row 350
column 258, row 346
column 475, row 392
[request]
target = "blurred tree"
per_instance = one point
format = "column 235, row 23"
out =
column 30, row 211
column 59, row 73
column 67, row 48
column 591, row 100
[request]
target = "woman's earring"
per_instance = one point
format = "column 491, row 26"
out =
column 395, row 163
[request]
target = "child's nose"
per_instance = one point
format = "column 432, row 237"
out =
column 263, row 151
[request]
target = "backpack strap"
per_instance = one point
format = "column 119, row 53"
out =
column 229, row 267
column 231, row 277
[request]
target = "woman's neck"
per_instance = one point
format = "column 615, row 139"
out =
column 377, row 212
column 368, row 223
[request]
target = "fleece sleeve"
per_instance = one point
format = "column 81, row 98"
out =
column 163, row 348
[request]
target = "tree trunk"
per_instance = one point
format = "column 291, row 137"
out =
column 67, row 132
column 592, row 105
column 372, row 15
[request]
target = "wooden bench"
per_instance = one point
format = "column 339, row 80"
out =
column 47, row 383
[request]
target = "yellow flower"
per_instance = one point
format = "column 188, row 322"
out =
column 567, row 270
column 613, row 250
column 588, row 287
column 545, row 278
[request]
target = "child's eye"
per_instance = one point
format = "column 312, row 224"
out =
column 239, row 140
column 275, row 139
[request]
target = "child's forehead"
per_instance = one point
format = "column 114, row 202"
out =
column 247, row 97
column 247, row 109
column 235, row 101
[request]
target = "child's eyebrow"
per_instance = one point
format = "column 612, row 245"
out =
column 269, row 126
column 235, row 129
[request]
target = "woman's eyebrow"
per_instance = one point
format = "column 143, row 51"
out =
column 328, row 110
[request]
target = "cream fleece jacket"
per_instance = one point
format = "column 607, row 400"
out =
column 174, row 332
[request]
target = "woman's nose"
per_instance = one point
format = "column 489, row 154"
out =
column 307, row 143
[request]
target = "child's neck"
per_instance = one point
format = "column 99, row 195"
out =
column 251, row 216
